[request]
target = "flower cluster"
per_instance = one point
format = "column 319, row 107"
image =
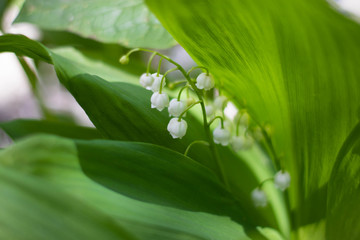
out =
column 240, row 133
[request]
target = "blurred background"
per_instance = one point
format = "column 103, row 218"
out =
column 18, row 99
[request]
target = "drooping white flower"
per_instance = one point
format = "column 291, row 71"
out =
column 205, row 81
column 159, row 101
column 209, row 109
column 155, row 87
column 146, row 80
column 282, row 180
column 177, row 128
column 241, row 143
column 221, row 136
column 176, row 107
column 259, row 197
column 219, row 103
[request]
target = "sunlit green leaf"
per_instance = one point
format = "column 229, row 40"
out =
column 116, row 21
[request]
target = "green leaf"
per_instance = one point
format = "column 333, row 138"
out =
column 274, row 59
column 344, row 192
column 128, row 23
column 24, row 127
column 33, row 209
column 23, row 46
column 154, row 174
column 54, row 160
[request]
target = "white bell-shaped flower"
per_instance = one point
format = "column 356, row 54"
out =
column 176, row 107
column 221, row 136
column 241, row 143
column 282, row 180
column 259, row 198
column 146, row 80
column 205, row 81
column 219, row 103
column 155, row 87
column 209, row 109
column 177, row 128
column 159, row 101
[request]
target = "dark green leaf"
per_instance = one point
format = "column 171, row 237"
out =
column 115, row 21
column 154, row 174
column 343, row 208
column 23, row 127
column 23, row 46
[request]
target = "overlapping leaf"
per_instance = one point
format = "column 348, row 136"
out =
column 126, row 22
column 294, row 65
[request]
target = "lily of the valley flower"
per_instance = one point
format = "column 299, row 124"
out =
column 155, row 87
column 177, row 128
column 209, row 109
column 159, row 101
column 205, row 81
column 221, row 136
column 259, row 197
column 176, row 107
column 282, row 180
column 241, row 143
column 219, row 103
column 146, row 80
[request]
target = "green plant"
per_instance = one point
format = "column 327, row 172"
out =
column 291, row 67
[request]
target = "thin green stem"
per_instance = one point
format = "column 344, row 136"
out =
column 149, row 63
column 264, row 181
column 159, row 67
column 197, row 67
column 181, row 90
column 217, row 117
column 163, row 78
column 193, row 143
column 188, row 108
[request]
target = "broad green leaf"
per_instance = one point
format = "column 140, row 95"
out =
column 294, row 65
column 344, row 192
column 34, row 209
column 55, row 160
column 128, row 23
column 24, row 127
column 155, row 174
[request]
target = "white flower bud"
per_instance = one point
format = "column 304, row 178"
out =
column 221, row 136
column 159, row 101
column 219, row 103
column 205, row 81
column 209, row 109
column 155, row 87
column 282, row 180
column 146, row 80
column 176, row 107
column 259, row 197
column 241, row 143
column 177, row 128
